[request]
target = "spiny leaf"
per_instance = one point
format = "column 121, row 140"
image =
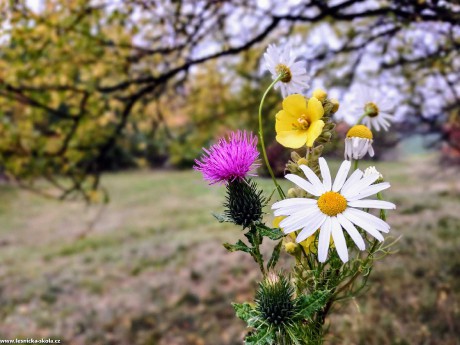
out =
column 243, row 310
column 275, row 256
column 273, row 234
column 238, row 246
column 309, row 304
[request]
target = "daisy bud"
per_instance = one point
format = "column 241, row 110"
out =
column 320, row 94
column 244, row 202
column 358, row 142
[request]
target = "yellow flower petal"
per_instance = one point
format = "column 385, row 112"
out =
column 314, row 131
column 315, row 110
column 295, row 105
column 277, row 220
column 284, row 121
column 292, row 139
column 309, row 244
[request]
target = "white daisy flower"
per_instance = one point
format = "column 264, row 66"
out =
column 376, row 107
column 372, row 170
column 358, row 142
column 295, row 78
column 335, row 208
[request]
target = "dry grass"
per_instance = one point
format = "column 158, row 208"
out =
column 153, row 271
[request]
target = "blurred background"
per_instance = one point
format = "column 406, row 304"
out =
column 106, row 234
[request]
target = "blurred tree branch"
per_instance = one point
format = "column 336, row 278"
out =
column 76, row 75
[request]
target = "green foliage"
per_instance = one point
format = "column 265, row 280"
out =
column 239, row 246
column 277, row 314
column 273, row 234
column 275, row 256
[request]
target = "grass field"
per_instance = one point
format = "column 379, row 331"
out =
column 149, row 267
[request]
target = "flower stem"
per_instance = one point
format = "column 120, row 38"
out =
column 361, row 118
column 355, row 164
column 262, row 141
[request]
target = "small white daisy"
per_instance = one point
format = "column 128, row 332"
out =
column 334, row 209
column 375, row 106
column 358, row 142
column 295, row 78
column 372, row 170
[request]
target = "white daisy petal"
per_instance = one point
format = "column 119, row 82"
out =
column 341, row 176
column 299, row 220
column 371, row 190
column 305, row 233
column 339, row 239
column 352, row 231
column 368, row 203
column 314, row 223
column 357, row 174
column 295, row 222
column 287, row 211
column 292, row 210
column 357, row 187
column 376, row 222
column 315, row 181
column 302, row 183
column 325, row 173
column 324, row 239
column 293, row 202
column 362, row 224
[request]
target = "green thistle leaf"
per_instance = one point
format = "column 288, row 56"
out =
column 244, row 311
column 263, row 336
column 275, row 256
column 222, row 218
column 238, row 246
column 307, row 305
column 273, row 234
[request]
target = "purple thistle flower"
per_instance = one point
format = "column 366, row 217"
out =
column 230, row 160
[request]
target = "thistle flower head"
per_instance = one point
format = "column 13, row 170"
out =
column 229, row 160
column 275, row 300
column 244, row 202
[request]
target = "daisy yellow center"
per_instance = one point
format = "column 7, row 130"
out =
column 360, row 131
column 332, row 203
column 371, row 109
column 285, row 72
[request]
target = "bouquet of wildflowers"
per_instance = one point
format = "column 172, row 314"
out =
column 332, row 226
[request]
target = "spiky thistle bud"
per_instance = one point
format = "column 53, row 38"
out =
column 244, row 202
column 275, row 300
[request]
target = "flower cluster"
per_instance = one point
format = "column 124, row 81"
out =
column 329, row 225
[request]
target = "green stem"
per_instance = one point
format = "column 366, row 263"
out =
column 361, row 118
column 355, row 164
column 262, row 141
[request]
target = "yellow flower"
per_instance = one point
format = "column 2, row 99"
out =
column 299, row 123
column 309, row 244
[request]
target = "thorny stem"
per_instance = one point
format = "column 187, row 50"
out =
column 262, row 141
